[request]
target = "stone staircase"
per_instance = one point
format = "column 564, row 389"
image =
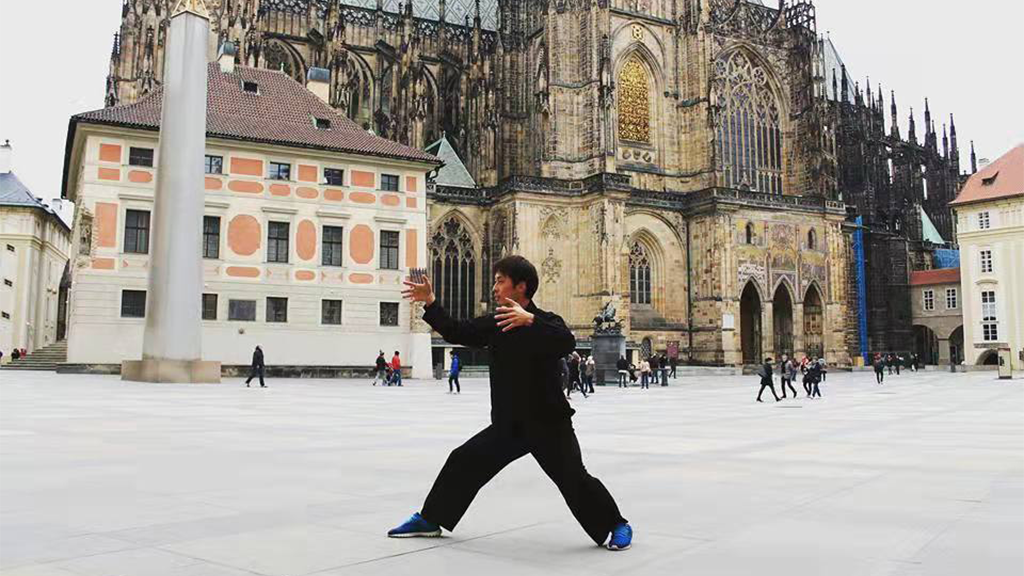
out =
column 46, row 359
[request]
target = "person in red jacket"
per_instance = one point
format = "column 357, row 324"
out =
column 396, row 367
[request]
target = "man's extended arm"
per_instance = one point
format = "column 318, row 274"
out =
column 476, row 332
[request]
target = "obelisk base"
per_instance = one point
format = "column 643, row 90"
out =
column 171, row 371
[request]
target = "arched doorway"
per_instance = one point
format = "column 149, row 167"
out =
column 62, row 303
column 750, row 324
column 782, row 321
column 814, row 323
column 956, row 345
column 926, row 345
column 989, row 358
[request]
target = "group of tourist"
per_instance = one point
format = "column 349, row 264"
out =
column 813, row 373
column 650, row 369
column 390, row 373
column 894, row 361
column 577, row 373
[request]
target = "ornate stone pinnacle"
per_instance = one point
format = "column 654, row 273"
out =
column 197, row 7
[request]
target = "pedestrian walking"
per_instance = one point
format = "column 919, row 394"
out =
column 563, row 370
column 672, row 362
column 645, row 373
column 589, row 369
column 257, row 368
column 575, row 373
column 765, row 372
column 879, row 368
column 785, row 375
column 380, row 370
column 453, row 373
column 528, row 413
column 813, row 378
column 396, row 369
column 823, row 367
column 623, row 367
column 898, row 360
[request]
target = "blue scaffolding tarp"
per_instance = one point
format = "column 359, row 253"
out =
column 947, row 258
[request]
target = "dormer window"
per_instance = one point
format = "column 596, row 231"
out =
column 322, row 123
column 251, row 87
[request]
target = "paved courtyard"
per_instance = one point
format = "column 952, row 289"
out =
column 922, row 476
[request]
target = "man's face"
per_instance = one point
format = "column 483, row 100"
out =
column 504, row 288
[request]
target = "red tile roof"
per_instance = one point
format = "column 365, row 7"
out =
column 1000, row 179
column 937, row 276
column 282, row 112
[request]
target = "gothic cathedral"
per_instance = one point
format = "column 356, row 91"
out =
column 698, row 163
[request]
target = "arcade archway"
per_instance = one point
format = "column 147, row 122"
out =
column 750, row 324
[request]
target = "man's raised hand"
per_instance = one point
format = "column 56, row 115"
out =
column 419, row 292
column 511, row 315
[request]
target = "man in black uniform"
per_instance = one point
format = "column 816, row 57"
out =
column 257, row 367
column 529, row 414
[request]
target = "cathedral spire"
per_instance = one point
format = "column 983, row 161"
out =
column 952, row 139
column 845, row 86
column 945, row 142
column 871, row 101
column 911, row 129
column 895, row 131
column 974, row 159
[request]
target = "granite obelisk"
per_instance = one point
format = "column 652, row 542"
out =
column 172, row 343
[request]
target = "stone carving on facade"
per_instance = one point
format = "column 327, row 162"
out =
column 748, row 270
column 551, row 268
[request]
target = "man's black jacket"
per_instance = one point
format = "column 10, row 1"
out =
column 525, row 378
column 257, row 358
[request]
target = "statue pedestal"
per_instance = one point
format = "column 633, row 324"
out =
column 607, row 348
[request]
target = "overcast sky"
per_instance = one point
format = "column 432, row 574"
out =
column 964, row 56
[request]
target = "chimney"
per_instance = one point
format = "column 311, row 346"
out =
column 6, row 157
column 226, row 57
column 318, row 81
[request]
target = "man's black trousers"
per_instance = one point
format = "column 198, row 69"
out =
column 255, row 371
column 554, row 446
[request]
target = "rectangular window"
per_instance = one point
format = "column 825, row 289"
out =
column 989, row 321
column 277, row 309
column 8, row 282
column 136, row 231
column 280, row 171
column 334, row 176
column 332, row 239
column 140, row 156
column 5, row 315
column 211, row 237
column 214, row 164
column 951, row 299
column 331, row 312
column 983, row 221
column 277, row 242
column 929, row 300
column 389, row 249
column 389, row 313
column 10, row 248
column 986, row 261
column 244, row 310
column 389, row 182
column 133, row 303
column 209, row 306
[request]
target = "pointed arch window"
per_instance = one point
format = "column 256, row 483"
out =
column 454, row 268
column 634, row 102
column 639, row 275
column 748, row 133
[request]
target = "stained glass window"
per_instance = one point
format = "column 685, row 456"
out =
column 749, row 137
column 634, row 102
column 454, row 274
column 639, row 275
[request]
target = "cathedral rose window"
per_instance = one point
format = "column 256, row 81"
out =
column 634, row 102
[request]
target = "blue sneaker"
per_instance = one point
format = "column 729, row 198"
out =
column 415, row 526
column 622, row 537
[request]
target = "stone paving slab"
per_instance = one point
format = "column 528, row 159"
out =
column 921, row 476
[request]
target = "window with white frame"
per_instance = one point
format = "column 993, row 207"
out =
column 986, row 261
column 951, row 299
column 929, row 299
column 989, row 321
column 983, row 221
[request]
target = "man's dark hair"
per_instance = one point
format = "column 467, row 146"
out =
column 396, row 352
column 519, row 269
